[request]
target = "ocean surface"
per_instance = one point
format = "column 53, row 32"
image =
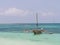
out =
column 14, row 34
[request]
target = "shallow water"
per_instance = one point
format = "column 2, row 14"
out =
column 13, row 34
column 10, row 38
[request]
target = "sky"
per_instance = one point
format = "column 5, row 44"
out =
column 24, row 11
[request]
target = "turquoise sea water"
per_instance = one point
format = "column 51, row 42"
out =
column 13, row 34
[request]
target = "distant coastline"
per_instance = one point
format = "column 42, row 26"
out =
column 29, row 23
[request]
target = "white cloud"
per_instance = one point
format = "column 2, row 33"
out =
column 14, row 11
column 20, row 12
column 47, row 13
column 44, row 13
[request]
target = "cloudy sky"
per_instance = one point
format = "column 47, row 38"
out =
column 24, row 11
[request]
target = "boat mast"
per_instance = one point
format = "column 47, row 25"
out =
column 36, row 20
